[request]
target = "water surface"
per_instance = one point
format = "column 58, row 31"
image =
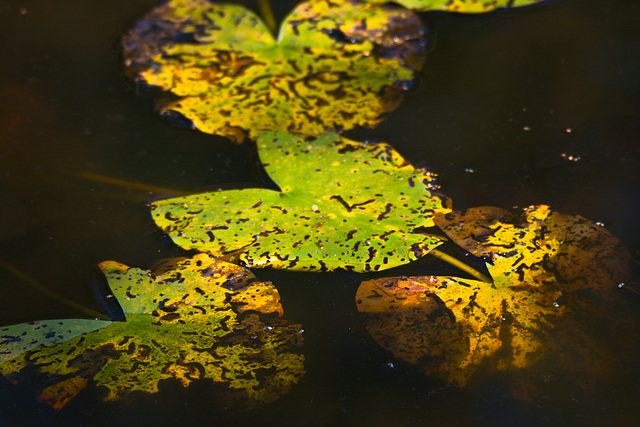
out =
column 503, row 101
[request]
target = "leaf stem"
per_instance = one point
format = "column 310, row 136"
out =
column 130, row 184
column 267, row 15
column 460, row 265
column 56, row 296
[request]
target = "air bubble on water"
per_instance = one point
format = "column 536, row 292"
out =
column 571, row 157
column 390, row 365
column 601, row 224
column 301, row 331
column 621, row 285
column 268, row 328
column 556, row 305
column 469, row 170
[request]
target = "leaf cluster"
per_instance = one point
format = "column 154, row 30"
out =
column 334, row 204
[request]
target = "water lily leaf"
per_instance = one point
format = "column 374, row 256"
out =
column 20, row 338
column 462, row 6
column 335, row 64
column 577, row 252
column 552, row 273
column 341, row 204
column 186, row 320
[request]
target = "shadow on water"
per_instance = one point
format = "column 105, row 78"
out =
column 504, row 102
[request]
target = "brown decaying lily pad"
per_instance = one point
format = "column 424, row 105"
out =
column 551, row 305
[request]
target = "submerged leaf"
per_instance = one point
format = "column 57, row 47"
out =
column 341, row 204
column 553, row 275
column 187, row 320
column 335, row 65
column 462, row 6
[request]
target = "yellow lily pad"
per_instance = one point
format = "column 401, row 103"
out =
column 334, row 65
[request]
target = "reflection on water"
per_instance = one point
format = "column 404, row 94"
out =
column 492, row 113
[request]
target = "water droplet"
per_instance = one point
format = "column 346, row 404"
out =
column 556, row 305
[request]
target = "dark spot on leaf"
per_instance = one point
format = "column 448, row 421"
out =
column 170, row 317
column 385, row 236
column 384, row 214
column 124, row 341
column 372, row 253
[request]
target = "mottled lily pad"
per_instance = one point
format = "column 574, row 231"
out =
column 574, row 251
column 462, row 6
column 20, row 338
column 335, row 65
column 553, row 277
column 187, row 320
column 341, row 204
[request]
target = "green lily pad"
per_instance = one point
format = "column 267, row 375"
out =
column 17, row 339
column 462, row 6
column 555, row 281
column 187, row 320
column 335, row 65
column 341, row 204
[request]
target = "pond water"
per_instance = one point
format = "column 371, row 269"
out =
column 503, row 102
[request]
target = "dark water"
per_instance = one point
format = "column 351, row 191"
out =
column 497, row 97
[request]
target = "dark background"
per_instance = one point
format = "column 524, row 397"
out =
column 67, row 109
